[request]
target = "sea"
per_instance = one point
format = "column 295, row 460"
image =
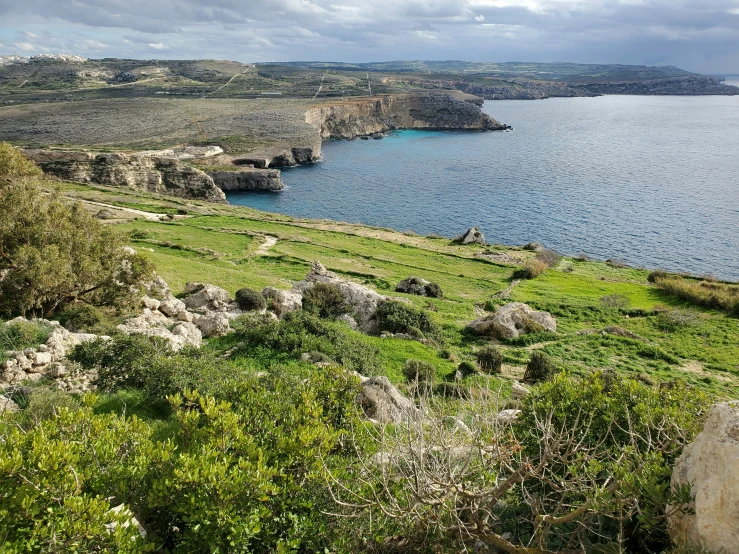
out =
column 652, row 181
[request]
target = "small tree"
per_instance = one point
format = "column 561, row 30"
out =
column 53, row 252
column 324, row 300
column 540, row 367
column 250, row 300
column 490, row 359
column 419, row 371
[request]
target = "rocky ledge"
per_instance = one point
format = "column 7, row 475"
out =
column 248, row 179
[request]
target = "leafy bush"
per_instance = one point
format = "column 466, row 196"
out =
column 615, row 301
column 419, row 371
column 250, row 300
column 673, row 320
column 433, row 290
column 325, row 300
column 549, row 257
column 490, row 359
column 20, row 335
column 42, row 404
column 81, row 317
column 54, row 251
column 467, row 368
column 399, row 317
column 301, row 331
column 657, row 275
column 540, row 367
column 530, row 270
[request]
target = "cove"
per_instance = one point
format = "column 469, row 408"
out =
column 650, row 180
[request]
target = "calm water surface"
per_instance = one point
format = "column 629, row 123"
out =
column 653, row 181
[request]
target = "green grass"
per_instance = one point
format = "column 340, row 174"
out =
column 218, row 244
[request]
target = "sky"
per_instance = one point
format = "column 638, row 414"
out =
column 697, row 35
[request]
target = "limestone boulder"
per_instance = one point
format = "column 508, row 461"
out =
column 382, row 402
column 513, row 320
column 205, row 297
column 282, row 301
column 360, row 300
column 710, row 467
column 212, row 325
column 472, row 236
column 172, row 307
column 189, row 332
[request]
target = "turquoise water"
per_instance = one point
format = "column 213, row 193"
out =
column 653, row 181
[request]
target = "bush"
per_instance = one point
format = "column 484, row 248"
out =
column 673, row 320
column 433, row 290
column 656, row 275
column 81, row 317
column 42, row 404
column 399, row 317
column 718, row 296
column 549, row 257
column 54, row 251
column 419, row 371
column 466, row 369
column 530, row 270
column 301, row 331
column 490, row 359
column 250, row 300
column 20, row 335
column 324, row 300
column 615, row 301
column 540, row 367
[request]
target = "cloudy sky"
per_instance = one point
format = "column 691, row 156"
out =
column 698, row 35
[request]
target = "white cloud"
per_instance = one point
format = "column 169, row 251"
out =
column 480, row 18
column 157, row 46
column 25, row 46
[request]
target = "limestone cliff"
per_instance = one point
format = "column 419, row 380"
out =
column 137, row 171
column 422, row 110
column 248, row 179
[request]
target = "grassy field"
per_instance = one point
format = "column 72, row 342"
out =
column 219, row 245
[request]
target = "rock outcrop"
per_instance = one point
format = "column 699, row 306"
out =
column 710, row 467
column 248, row 179
column 382, row 402
column 418, row 110
column 513, row 320
column 161, row 175
column 472, row 236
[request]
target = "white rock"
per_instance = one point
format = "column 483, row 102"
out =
column 382, row 402
column 172, row 307
column 189, row 332
column 519, row 391
column 7, row 405
column 214, row 326
column 512, row 320
column 710, row 466
column 282, row 301
column 205, row 297
column 507, row 416
column 185, row 316
column 151, row 303
column 130, row 520
column 42, row 358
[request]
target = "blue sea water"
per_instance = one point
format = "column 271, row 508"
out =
column 650, row 180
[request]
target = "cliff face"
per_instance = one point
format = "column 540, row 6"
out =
column 693, row 85
column 368, row 116
column 248, row 179
column 136, row 171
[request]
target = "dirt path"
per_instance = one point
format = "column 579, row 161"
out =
column 219, row 89
column 147, row 215
column 269, row 242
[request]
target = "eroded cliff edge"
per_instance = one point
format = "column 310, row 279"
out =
column 298, row 132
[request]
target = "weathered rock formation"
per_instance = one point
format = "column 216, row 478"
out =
column 710, row 467
column 689, row 85
column 513, row 320
column 471, row 236
column 137, row 171
column 248, row 179
column 422, row 110
column 382, row 402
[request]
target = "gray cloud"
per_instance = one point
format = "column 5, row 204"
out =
column 701, row 35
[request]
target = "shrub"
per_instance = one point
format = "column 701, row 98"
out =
column 433, row 290
column 466, row 369
column 324, row 300
column 615, row 301
column 719, row 296
column 20, row 335
column 530, row 270
column 301, row 331
column 419, row 371
column 672, row 320
column 399, row 317
column 549, row 257
column 490, row 359
column 250, row 300
column 540, row 367
column 656, row 275
column 42, row 404
column 81, row 317
column 54, row 252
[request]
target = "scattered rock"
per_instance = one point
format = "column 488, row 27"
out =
column 382, row 402
column 204, row 296
column 7, row 405
column 282, row 301
column 189, row 332
column 709, row 466
column 472, row 236
column 130, row 520
column 105, row 214
column 621, row 332
column 513, row 320
column 507, row 416
column 519, row 391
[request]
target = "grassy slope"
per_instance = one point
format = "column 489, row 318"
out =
column 218, row 244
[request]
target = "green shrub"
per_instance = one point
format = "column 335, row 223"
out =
column 615, row 301
column 657, row 275
column 20, row 335
column 399, row 317
column 324, row 300
column 540, row 367
column 531, row 269
column 466, row 369
column 433, row 290
column 549, row 257
column 81, row 317
column 250, row 300
column 42, row 404
column 301, row 331
column 419, row 371
column 489, row 359
column 673, row 320
column 54, row 251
